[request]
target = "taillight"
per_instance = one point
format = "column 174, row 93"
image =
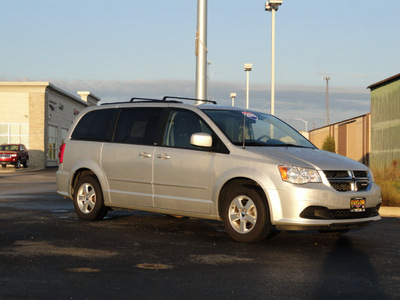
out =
column 61, row 153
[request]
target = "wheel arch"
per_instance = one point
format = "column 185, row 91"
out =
column 241, row 181
column 79, row 173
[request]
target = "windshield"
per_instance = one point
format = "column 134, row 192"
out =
column 9, row 148
column 259, row 129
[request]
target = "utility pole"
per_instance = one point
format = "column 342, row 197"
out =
column 327, row 78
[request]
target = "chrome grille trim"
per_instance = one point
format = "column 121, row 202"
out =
column 347, row 181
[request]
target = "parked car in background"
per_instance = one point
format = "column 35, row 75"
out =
column 14, row 154
column 249, row 169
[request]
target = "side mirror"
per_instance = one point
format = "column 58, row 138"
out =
column 201, row 139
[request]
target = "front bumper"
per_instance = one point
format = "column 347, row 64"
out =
column 320, row 207
column 8, row 161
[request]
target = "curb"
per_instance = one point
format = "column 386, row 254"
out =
column 390, row 212
column 13, row 171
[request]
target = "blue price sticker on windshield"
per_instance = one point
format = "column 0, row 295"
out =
column 250, row 115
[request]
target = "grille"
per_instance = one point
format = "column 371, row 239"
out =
column 5, row 155
column 319, row 212
column 337, row 174
column 341, row 186
column 346, row 181
column 346, row 214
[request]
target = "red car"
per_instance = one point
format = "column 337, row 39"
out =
column 14, row 154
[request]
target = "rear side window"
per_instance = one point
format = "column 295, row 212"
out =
column 97, row 125
column 138, row 126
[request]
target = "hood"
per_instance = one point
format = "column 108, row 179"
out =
column 308, row 158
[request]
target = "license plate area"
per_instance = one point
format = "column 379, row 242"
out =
column 357, row 204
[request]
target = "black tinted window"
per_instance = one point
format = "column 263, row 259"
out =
column 97, row 125
column 138, row 126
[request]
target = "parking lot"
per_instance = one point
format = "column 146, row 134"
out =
column 46, row 252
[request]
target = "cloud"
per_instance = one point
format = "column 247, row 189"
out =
column 291, row 101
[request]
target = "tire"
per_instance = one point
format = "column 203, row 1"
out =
column 246, row 215
column 88, row 199
column 26, row 163
column 3, row 166
column 18, row 164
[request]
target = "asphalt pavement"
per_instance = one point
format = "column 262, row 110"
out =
column 47, row 252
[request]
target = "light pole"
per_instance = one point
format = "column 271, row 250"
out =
column 305, row 122
column 201, row 50
column 247, row 68
column 272, row 6
column 233, row 96
column 327, row 78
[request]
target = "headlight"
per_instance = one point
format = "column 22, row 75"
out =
column 299, row 175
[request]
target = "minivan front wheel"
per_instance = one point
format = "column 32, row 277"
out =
column 246, row 215
column 88, row 199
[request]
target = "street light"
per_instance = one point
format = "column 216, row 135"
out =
column 327, row 78
column 305, row 122
column 247, row 68
column 233, row 96
column 272, row 6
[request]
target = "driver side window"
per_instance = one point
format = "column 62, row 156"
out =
column 180, row 127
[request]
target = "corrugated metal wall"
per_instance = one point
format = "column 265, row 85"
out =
column 385, row 130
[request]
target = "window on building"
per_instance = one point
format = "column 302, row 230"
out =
column 63, row 135
column 14, row 133
column 52, row 144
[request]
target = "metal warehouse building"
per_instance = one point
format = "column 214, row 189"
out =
column 385, row 130
column 38, row 114
column 352, row 137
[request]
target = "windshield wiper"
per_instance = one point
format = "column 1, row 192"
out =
column 289, row 145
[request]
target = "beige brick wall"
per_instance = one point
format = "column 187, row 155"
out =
column 37, row 135
column 14, row 107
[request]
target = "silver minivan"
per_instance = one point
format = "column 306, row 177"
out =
column 249, row 169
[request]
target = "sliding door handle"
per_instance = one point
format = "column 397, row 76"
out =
column 163, row 156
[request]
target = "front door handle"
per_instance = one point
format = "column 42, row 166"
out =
column 145, row 154
column 163, row 156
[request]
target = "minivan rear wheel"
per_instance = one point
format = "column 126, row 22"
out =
column 246, row 215
column 88, row 199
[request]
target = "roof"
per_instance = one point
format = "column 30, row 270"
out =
column 383, row 82
column 47, row 85
column 342, row 122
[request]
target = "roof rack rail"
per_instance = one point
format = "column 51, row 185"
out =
column 164, row 99
column 190, row 99
column 145, row 99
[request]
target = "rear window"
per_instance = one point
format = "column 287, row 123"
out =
column 97, row 125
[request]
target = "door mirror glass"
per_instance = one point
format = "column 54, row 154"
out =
column 201, row 139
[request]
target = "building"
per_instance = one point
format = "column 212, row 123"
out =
column 385, row 131
column 38, row 114
column 352, row 137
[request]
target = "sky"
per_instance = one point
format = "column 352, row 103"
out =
column 120, row 49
